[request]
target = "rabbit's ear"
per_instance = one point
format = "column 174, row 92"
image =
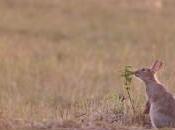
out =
column 156, row 66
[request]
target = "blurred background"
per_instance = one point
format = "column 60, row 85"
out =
column 61, row 57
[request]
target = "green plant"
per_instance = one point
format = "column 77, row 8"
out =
column 127, row 75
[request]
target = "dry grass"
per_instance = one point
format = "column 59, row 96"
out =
column 62, row 60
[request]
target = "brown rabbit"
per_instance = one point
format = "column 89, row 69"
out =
column 160, row 101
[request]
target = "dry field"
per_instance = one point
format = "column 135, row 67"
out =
column 61, row 60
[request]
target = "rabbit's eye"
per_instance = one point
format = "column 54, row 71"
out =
column 143, row 70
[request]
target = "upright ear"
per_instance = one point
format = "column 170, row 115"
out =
column 156, row 66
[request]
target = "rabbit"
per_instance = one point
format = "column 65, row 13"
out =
column 161, row 103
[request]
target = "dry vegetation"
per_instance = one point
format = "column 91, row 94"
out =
column 62, row 59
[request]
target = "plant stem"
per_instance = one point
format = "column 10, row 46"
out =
column 131, row 101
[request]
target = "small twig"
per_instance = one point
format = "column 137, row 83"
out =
column 131, row 101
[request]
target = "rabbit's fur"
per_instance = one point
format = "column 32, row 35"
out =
column 160, row 101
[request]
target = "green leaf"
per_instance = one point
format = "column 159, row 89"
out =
column 127, row 75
